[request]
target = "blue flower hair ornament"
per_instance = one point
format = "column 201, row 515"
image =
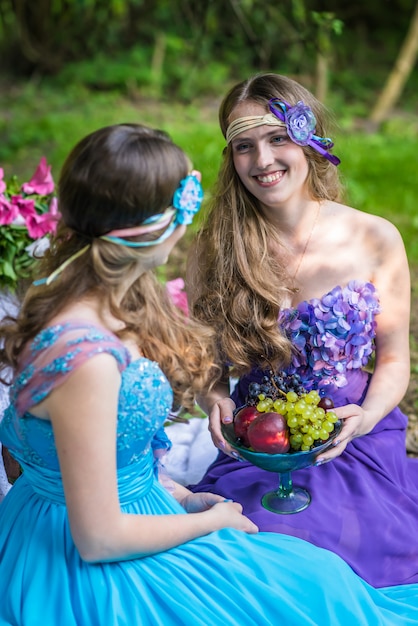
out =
column 186, row 203
column 300, row 123
column 187, row 199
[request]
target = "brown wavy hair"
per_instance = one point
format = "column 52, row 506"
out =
column 239, row 283
column 114, row 178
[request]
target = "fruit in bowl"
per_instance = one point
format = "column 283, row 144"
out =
column 242, row 420
column 287, row 498
column 269, row 432
column 282, row 428
column 280, row 416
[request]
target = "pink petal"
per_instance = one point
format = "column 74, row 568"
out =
column 25, row 206
column 178, row 296
column 41, row 182
column 8, row 212
column 40, row 225
column 53, row 207
column 2, row 183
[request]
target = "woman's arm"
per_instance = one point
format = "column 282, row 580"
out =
column 83, row 412
column 390, row 378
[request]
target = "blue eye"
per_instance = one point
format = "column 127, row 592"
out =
column 279, row 139
column 242, row 147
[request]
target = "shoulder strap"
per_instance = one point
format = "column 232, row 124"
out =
column 55, row 353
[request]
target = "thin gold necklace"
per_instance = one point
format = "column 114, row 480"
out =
column 307, row 242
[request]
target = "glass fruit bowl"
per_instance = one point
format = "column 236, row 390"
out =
column 287, row 498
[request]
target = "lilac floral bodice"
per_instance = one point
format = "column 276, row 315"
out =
column 332, row 334
column 333, row 340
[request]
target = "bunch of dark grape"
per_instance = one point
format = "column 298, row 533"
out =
column 274, row 386
column 309, row 417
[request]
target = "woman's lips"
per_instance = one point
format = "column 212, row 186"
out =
column 266, row 179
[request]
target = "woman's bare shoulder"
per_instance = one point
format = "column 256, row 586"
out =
column 362, row 224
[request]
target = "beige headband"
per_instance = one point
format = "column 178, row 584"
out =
column 251, row 121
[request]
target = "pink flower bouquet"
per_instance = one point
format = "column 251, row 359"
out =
column 28, row 215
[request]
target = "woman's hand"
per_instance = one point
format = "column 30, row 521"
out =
column 197, row 502
column 354, row 425
column 229, row 515
column 222, row 411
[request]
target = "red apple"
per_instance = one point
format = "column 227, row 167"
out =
column 269, row 433
column 242, row 420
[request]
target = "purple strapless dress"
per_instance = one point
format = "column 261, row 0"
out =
column 365, row 502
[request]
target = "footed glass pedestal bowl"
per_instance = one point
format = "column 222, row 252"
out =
column 286, row 498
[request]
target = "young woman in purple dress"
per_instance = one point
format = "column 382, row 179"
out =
column 289, row 275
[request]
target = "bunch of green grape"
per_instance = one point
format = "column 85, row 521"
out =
column 309, row 417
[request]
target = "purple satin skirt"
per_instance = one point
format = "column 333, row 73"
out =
column 364, row 503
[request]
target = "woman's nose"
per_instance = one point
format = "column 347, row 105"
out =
column 264, row 157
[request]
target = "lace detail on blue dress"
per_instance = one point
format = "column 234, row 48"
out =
column 145, row 400
column 145, row 397
column 332, row 334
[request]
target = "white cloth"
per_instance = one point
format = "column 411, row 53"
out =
column 193, row 449
column 192, row 452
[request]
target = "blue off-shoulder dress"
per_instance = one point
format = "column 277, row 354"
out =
column 365, row 502
column 226, row 577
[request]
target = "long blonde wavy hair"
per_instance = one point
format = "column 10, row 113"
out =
column 115, row 178
column 239, row 284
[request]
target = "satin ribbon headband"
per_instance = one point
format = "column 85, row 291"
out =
column 299, row 121
column 156, row 222
column 186, row 203
column 251, row 121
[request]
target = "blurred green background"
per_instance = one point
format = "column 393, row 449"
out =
column 69, row 67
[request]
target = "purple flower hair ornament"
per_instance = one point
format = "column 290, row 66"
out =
column 300, row 123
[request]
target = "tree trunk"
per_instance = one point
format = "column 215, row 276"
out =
column 399, row 75
column 322, row 64
column 157, row 64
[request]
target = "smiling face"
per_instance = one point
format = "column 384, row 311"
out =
column 271, row 166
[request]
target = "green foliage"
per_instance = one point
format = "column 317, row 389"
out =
column 15, row 262
column 380, row 175
column 47, row 121
column 327, row 25
column 379, row 169
column 190, row 49
column 121, row 72
column 136, row 71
